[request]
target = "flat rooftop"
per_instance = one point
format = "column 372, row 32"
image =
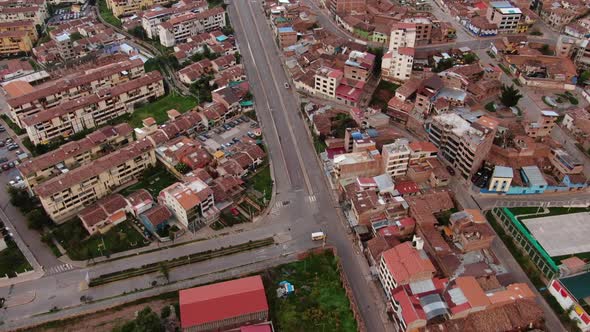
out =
column 561, row 235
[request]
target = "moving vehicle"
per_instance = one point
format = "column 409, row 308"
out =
column 287, row 85
column 318, row 236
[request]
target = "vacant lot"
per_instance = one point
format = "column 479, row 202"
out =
column 319, row 302
column 158, row 109
column 12, row 260
column 153, row 183
column 384, row 92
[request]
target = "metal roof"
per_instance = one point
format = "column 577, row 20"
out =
column 534, row 176
column 503, row 172
column 578, row 285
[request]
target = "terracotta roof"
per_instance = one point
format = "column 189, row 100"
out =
column 157, row 215
column 405, row 262
column 222, row 301
column 140, row 197
column 472, row 291
column 423, row 146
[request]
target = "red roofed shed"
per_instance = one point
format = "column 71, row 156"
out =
column 223, row 305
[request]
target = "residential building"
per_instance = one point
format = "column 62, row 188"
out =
column 287, row 36
column 130, row 7
column 396, row 157
column 571, row 293
column 470, row 230
column 505, row 15
column 18, row 11
column 156, row 219
column 501, row 179
column 101, row 216
column 74, row 154
column 179, row 28
column 327, row 81
column 346, row 6
column 182, row 149
column 65, row 46
column 557, row 16
column 192, row 203
column 139, row 201
column 402, row 265
column 65, row 195
column 223, row 306
column 357, row 164
column 32, row 100
column 15, row 42
column 564, row 163
column 398, row 61
column 543, row 126
column 27, row 26
column 93, row 110
column 543, row 71
column 151, row 19
column 461, row 144
column 359, row 66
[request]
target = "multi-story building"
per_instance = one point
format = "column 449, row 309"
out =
column 462, row 145
column 65, row 46
column 565, row 163
column 543, row 126
column 129, row 7
column 501, row 179
column 15, row 42
column 327, row 81
column 20, row 11
column 53, row 93
column 151, row 19
column 92, row 110
column 192, row 203
column 358, row 164
column 341, row 7
column 74, row 154
column 67, row 194
column 359, row 66
column 287, row 36
column 397, row 63
column 27, row 26
column 179, row 28
column 423, row 28
column 402, row 265
column 396, row 157
column 505, row 15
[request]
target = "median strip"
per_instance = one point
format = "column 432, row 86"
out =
column 179, row 261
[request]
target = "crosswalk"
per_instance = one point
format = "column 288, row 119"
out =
column 311, row 198
column 277, row 207
column 58, row 269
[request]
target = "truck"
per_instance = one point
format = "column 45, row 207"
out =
column 318, row 236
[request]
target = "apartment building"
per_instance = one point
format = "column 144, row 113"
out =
column 359, row 66
column 358, row 164
column 341, row 7
column 396, row 157
column 192, row 203
column 151, row 19
column 461, row 144
column 130, row 7
column 327, row 81
column 15, row 42
column 92, row 110
column 398, row 61
column 65, row 195
column 65, row 46
column 28, row 26
column 565, row 163
column 423, row 28
column 20, row 11
column 54, row 93
column 505, row 15
column 287, row 36
column 179, row 28
column 71, row 155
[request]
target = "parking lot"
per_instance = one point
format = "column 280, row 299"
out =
column 8, row 156
column 225, row 136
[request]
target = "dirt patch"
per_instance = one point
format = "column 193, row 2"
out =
column 107, row 320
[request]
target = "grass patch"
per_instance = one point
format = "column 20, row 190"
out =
column 13, row 261
column 229, row 219
column 74, row 238
column 107, row 14
column 262, row 182
column 158, row 109
column 154, row 183
column 319, row 145
column 17, row 130
column 491, row 55
column 319, row 302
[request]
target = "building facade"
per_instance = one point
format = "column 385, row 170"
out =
column 178, row 29
column 192, row 203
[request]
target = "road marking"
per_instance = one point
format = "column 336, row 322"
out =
column 59, row 269
column 277, row 207
column 283, row 108
column 311, row 198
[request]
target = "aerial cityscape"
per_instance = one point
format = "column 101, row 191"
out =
column 295, row 165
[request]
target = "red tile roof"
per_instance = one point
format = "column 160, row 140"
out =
column 406, row 187
column 221, row 301
column 404, row 262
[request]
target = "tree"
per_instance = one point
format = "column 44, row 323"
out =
column 182, row 168
column 165, row 271
column 584, row 76
column 238, row 57
column 146, row 321
column 76, row 36
column 137, row 31
column 469, row 58
column 444, row 64
column 510, row 95
column 37, row 218
column 378, row 52
column 546, row 50
column 248, row 96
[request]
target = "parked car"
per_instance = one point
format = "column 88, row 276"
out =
column 5, row 167
column 202, row 138
column 12, row 147
column 227, row 127
column 236, row 139
column 2, row 129
column 11, row 164
column 3, row 159
column 2, row 143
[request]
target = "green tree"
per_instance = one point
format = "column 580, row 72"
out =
column 76, row 36
column 444, row 64
column 37, row 218
column 546, row 50
column 378, row 52
column 584, row 76
column 469, row 58
column 248, row 96
column 146, row 321
column 165, row 271
column 137, row 31
column 510, row 95
column 238, row 57
column 182, row 168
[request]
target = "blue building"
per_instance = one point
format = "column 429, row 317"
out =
column 155, row 219
column 533, row 182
